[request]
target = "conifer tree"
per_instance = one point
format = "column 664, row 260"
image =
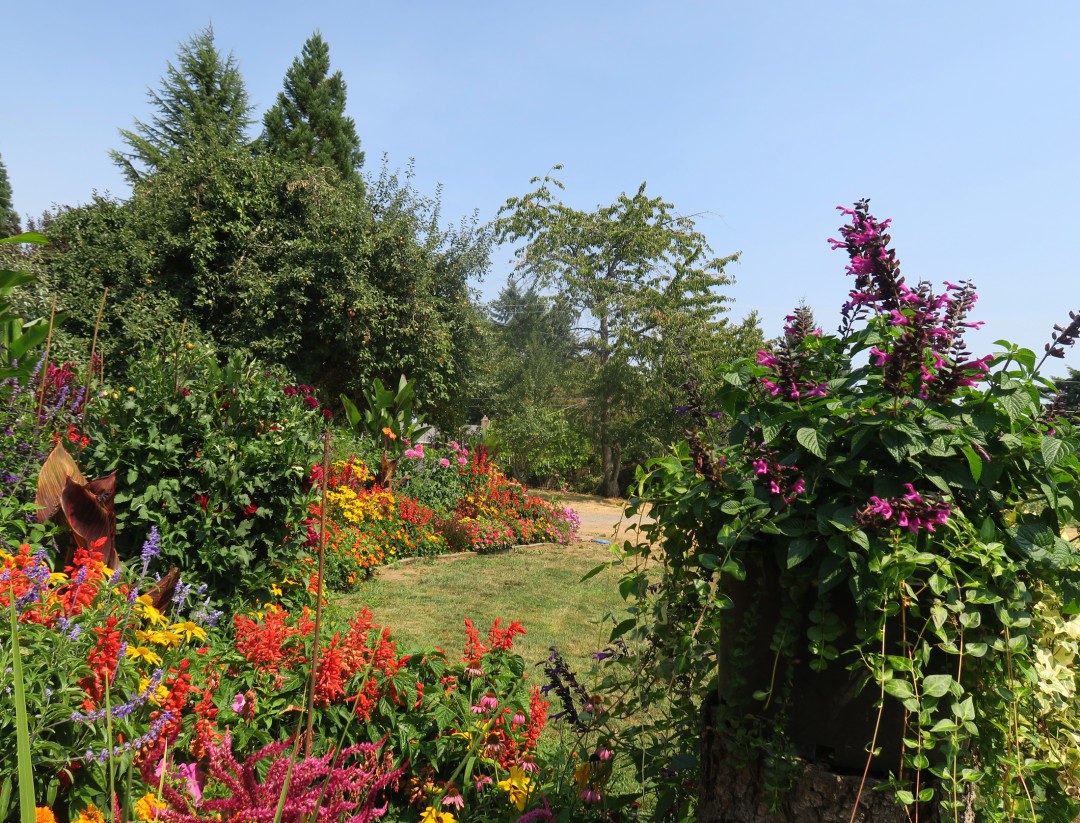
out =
column 9, row 218
column 307, row 124
column 202, row 102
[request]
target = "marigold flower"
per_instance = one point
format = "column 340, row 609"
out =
column 91, row 814
column 43, row 814
column 147, row 807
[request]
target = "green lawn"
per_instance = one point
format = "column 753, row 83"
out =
column 426, row 603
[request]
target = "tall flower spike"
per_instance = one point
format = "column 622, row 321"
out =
column 1060, row 338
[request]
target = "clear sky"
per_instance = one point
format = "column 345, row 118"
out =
column 960, row 120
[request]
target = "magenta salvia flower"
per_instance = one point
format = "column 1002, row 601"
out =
column 913, row 511
column 924, row 354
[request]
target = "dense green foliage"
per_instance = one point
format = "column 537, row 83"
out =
column 202, row 103
column 534, row 398
column 307, row 125
column 294, row 266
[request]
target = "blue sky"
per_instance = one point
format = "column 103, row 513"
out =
column 959, row 120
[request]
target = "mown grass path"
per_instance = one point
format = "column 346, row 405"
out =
column 425, row 604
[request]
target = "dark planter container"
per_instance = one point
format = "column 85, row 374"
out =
column 829, row 719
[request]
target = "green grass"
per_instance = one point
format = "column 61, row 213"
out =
column 425, row 604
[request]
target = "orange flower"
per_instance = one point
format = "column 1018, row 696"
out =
column 389, row 432
column 43, row 814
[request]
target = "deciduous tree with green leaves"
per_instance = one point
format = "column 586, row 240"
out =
column 202, row 102
column 534, row 394
column 307, row 124
column 639, row 277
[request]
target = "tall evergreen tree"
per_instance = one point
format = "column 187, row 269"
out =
column 9, row 218
column 202, row 102
column 307, row 124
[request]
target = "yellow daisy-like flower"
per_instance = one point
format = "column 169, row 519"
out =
column 518, row 786
column 159, row 637
column 147, row 807
column 433, row 815
column 43, row 814
column 146, row 607
column 190, row 630
column 144, row 653
column 91, row 814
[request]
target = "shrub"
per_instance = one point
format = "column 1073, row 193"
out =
column 215, row 457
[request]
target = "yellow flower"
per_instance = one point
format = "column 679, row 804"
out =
column 91, row 814
column 43, row 814
column 433, row 815
column 146, row 606
column 518, row 786
column 190, row 630
column 275, row 590
column 159, row 637
column 147, row 807
column 144, row 653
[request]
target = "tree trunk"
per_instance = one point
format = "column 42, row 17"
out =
column 610, row 456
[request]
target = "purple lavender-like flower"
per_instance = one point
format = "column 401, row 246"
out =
column 123, row 709
column 150, row 549
column 38, row 573
column 135, row 744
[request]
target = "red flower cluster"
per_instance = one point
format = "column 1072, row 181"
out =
column 378, row 658
column 103, row 659
column 503, row 639
column 272, row 644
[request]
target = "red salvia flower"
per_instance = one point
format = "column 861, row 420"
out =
column 503, row 639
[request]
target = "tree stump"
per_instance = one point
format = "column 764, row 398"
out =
column 737, row 794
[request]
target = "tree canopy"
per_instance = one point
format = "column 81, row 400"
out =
column 307, row 124
column 645, row 289
column 337, row 281
column 202, row 102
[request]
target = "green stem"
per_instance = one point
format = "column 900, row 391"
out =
column 27, row 813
